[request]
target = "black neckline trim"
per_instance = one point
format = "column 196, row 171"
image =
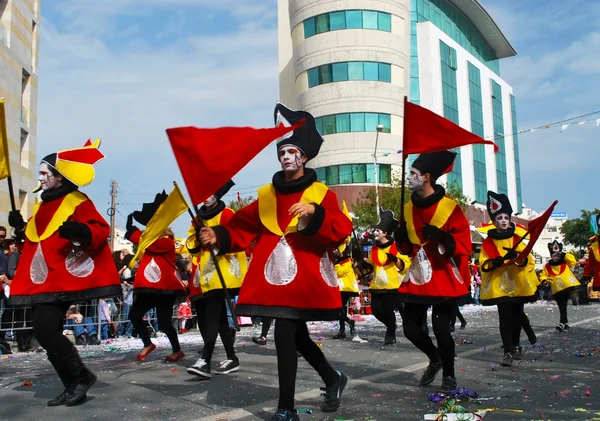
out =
column 384, row 245
column 294, row 186
column 497, row 235
column 53, row 194
column 559, row 262
column 425, row 202
column 207, row 214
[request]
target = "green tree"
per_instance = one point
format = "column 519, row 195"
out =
column 389, row 198
column 235, row 205
column 577, row 232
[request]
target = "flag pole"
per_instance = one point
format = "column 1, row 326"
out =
column 403, row 176
column 198, row 224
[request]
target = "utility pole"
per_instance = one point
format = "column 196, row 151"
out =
column 113, row 211
column 379, row 130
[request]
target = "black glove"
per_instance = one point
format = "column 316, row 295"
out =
column 15, row 220
column 586, row 279
column 129, row 227
column 392, row 258
column 76, row 231
column 497, row 262
column 431, row 232
column 510, row 254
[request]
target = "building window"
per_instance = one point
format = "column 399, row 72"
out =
column 476, row 107
column 348, row 19
column 452, row 22
column 450, row 100
column 354, row 174
column 498, row 120
column 515, row 136
column 351, row 70
column 353, row 122
column 24, row 148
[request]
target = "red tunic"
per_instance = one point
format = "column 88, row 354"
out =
column 592, row 268
column 432, row 279
column 296, row 282
column 157, row 272
column 54, row 270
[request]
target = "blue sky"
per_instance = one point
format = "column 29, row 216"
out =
column 125, row 70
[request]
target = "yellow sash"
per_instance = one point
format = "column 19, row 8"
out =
column 443, row 211
column 64, row 211
column 267, row 206
column 596, row 251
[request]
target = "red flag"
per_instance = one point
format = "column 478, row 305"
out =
column 534, row 230
column 425, row 131
column 208, row 158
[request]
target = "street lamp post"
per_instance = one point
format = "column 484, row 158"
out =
column 379, row 130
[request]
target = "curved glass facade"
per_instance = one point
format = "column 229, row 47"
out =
column 347, row 19
column 353, row 122
column 354, row 174
column 350, row 70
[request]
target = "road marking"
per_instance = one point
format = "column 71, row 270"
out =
column 270, row 406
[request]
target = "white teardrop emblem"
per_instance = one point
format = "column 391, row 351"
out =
column 281, row 267
column 328, row 271
column 79, row 263
column 152, row 272
column 38, row 271
column 420, row 271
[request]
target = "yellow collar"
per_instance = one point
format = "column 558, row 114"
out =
column 62, row 214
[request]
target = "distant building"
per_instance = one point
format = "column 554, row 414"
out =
column 120, row 242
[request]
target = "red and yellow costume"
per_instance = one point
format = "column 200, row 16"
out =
column 558, row 273
column 592, row 267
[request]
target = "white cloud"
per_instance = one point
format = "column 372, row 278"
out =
column 129, row 95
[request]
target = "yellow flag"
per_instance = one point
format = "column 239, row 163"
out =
column 166, row 213
column 4, row 156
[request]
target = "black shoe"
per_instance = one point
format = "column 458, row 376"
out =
column 201, row 369
column 507, row 360
column 340, row 335
column 389, row 339
column 430, row 372
column 518, row 353
column 283, row 415
column 448, row 384
column 81, row 379
column 560, row 327
column 352, row 327
column 333, row 394
column 81, row 339
column 4, row 347
column 567, row 327
column 228, row 366
column 463, row 324
column 60, row 399
column 260, row 341
column 93, row 340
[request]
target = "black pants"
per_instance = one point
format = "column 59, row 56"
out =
column 383, row 306
column 266, row 325
column 458, row 314
column 212, row 322
column 344, row 314
column 291, row 337
column 562, row 299
column 164, row 312
column 415, row 316
column 526, row 325
column 511, row 319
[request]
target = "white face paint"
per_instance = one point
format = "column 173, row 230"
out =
column 290, row 158
column 379, row 235
column 210, row 202
column 47, row 179
column 556, row 256
column 502, row 221
column 415, row 180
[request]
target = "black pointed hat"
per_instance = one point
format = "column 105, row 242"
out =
column 598, row 222
column 223, row 190
column 306, row 138
column 555, row 247
column 497, row 204
column 435, row 163
column 149, row 209
column 387, row 223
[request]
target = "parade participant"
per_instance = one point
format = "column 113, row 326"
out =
column 65, row 258
column 436, row 233
column 348, row 287
column 297, row 222
column 504, row 284
column 592, row 267
column 389, row 268
column 207, row 291
column 562, row 280
column 157, row 283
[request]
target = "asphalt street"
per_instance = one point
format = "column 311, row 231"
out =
column 558, row 379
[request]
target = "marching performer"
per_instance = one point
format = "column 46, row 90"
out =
column 348, row 286
column 157, row 283
column 389, row 268
column 66, row 258
column 504, row 284
column 562, row 280
column 436, row 233
column 296, row 222
column 207, row 291
column 592, row 267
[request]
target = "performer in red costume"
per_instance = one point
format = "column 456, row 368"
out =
column 436, row 233
column 66, row 258
column 592, row 267
column 297, row 222
column 157, row 282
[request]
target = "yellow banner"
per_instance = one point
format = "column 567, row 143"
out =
column 4, row 151
column 167, row 212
